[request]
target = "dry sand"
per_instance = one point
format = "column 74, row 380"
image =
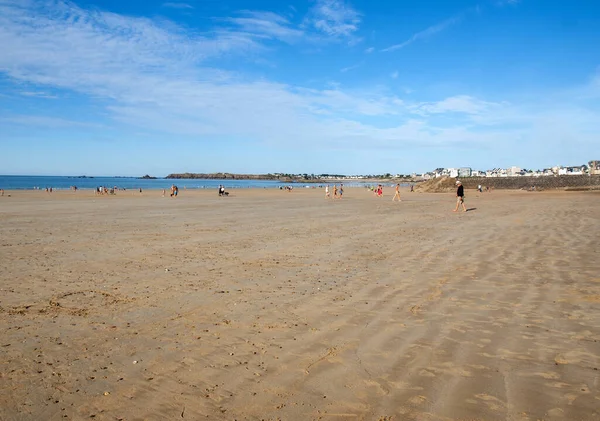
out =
column 271, row 305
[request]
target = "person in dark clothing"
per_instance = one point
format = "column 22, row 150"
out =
column 460, row 197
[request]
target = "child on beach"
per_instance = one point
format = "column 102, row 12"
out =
column 327, row 192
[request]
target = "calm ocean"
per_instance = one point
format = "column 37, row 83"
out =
column 26, row 182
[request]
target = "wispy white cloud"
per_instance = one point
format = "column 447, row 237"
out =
column 38, row 94
column 426, row 33
column 369, row 50
column 334, row 18
column 457, row 104
column 352, row 67
column 174, row 5
column 266, row 24
column 394, row 75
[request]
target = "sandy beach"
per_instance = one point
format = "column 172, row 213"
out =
column 274, row 305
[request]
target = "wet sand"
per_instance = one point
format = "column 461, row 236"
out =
column 270, row 305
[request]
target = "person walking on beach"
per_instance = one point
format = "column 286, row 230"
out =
column 341, row 190
column 460, row 197
column 327, row 192
column 397, row 194
column 335, row 191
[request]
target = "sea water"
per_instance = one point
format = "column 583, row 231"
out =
column 31, row 182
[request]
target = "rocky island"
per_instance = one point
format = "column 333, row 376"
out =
column 230, row 176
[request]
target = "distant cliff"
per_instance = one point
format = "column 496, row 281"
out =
column 229, row 176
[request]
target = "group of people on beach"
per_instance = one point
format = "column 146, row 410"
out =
column 102, row 190
column 337, row 193
column 378, row 191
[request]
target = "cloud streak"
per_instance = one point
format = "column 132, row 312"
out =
column 266, row 24
column 426, row 33
column 172, row 5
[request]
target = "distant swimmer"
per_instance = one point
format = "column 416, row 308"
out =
column 397, row 194
column 460, row 197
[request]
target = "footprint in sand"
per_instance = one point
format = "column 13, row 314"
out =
column 556, row 412
column 492, row 402
column 417, row 400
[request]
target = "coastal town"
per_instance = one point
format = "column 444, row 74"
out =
column 591, row 168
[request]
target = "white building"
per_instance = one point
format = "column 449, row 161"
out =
column 496, row 172
column 439, row 172
column 572, row 170
column 513, row 171
column 452, row 172
column 464, row 172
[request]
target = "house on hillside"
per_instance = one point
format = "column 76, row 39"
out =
column 594, row 167
column 464, row 172
column 439, row 172
column 452, row 172
column 514, row 171
column 496, row 172
column 578, row 170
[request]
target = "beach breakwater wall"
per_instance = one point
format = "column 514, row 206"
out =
column 562, row 182
column 568, row 182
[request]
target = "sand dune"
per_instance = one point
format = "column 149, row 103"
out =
column 275, row 305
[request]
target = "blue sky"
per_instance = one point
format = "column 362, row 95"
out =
column 109, row 87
